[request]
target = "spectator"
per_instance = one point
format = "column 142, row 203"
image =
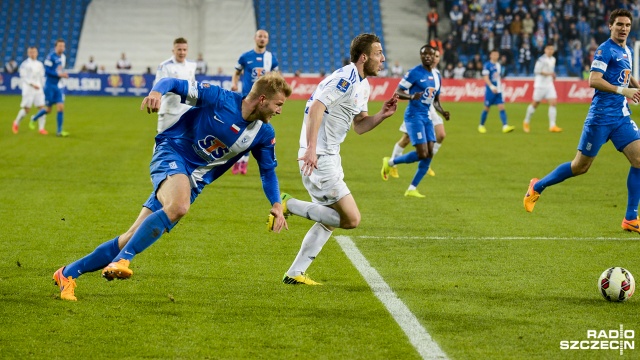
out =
column 584, row 30
column 489, row 42
column 528, row 25
column 519, row 9
column 470, row 71
column 503, row 66
column 592, row 15
column 586, row 70
column 576, row 59
column 90, row 66
column 450, row 55
column 201, row 65
column 524, row 58
column 220, row 71
column 11, row 66
column 499, row 27
column 458, row 71
column 474, row 42
column 515, row 28
column 397, row 70
column 436, row 44
column 448, row 71
column 123, row 63
column 455, row 15
column 432, row 23
column 506, row 47
column 102, row 69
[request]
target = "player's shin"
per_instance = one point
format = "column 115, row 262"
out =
column 98, row 259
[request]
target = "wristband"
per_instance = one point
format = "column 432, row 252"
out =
column 619, row 90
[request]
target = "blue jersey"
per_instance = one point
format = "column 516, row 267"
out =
column 53, row 65
column 419, row 79
column 255, row 65
column 614, row 62
column 212, row 135
column 493, row 71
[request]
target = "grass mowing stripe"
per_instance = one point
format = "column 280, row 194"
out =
column 418, row 336
column 498, row 238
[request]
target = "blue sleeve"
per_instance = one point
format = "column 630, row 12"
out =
column 50, row 68
column 270, row 185
column 196, row 94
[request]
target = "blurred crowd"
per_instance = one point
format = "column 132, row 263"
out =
column 520, row 30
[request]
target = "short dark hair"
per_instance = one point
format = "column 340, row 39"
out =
column 180, row 40
column 59, row 41
column 361, row 44
column 618, row 13
column 427, row 46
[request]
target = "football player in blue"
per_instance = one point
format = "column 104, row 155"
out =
column 251, row 65
column 493, row 93
column 608, row 119
column 421, row 86
column 54, row 70
column 205, row 142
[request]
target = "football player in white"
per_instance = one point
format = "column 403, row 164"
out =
column 177, row 66
column 543, row 88
column 32, row 80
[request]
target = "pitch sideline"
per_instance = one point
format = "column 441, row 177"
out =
column 417, row 334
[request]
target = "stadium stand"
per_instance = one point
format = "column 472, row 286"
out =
column 312, row 36
column 145, row 29
column 39, row 23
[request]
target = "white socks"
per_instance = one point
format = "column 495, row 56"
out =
column 313, row 242
column 21, row 115
column 530, row 111
column 397, row 151
column 41, row 122
column 436, row 147
column 552, row 116
column 244, row 158
column 316, row 212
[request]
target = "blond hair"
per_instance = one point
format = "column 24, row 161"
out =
column 269, row 85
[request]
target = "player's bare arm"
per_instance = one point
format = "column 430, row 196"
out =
column 310, row 159
column 404, row 95
column 596, row 81
column 364, row 122
column 438, row 107
column 234, row 80
column 489, row 84
column 151, row 102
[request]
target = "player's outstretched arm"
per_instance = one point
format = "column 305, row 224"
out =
column 364, row 122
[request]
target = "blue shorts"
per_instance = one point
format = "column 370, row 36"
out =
column 166, row 162
column 492, row 99
column 53, row 95
column 420, row 130
column 621, row 134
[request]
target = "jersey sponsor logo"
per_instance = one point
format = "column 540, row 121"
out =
column 623, row 78
column 257, row 72
column 343, row 85
column 210, row 148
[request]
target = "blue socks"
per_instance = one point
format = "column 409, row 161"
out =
column 407, row 158
column 423, row 167
column 558, row 175
column 149, row 231
column 483, row 117
column 633, row 193
column 503, row 117
column 98, row 259
column 39, row 114
column 60, row 119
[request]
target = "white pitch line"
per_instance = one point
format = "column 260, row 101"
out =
column 498, row 238
column 418, row 335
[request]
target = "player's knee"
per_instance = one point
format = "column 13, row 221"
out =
column 176, row 211
column 350, row 223
column 423, row 154
column 440, row 137
column 579, row 169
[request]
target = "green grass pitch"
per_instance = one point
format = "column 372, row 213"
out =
column 486, row 279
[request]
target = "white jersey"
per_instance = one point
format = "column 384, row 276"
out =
column 170, row 108
column 32, row 74
column 546, row 64
column 345, row 95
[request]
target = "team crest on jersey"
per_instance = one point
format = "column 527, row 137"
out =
column 114, row 80
column 343, row 85
column 210, row 148
column 599, row 52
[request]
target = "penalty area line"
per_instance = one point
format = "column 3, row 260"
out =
column 417, row 334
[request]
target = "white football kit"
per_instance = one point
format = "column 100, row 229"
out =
column 170, row 108
column 32, row 74
column 345, row 95
column 543, row 87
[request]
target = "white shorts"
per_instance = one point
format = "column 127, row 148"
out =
column 32, row 99
column 433, row 115
column 541, row 93
column 326, row 183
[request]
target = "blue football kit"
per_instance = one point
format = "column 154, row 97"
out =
column 493, row 70
column 416, row 116
column 53, row 64
column 255, row 65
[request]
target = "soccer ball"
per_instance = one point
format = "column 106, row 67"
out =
column 616, row 284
